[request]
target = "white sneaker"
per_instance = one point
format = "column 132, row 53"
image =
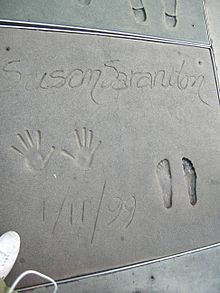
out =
column 9, row 249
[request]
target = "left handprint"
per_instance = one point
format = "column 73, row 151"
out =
column 31, row 151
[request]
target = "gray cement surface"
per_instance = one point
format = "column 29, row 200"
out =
column 213, row 11
column 195, row 273
column 173, row 19
column 109, row 150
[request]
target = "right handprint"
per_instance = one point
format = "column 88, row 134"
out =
column 84, row 157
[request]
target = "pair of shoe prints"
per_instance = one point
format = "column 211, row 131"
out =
column 165, row 181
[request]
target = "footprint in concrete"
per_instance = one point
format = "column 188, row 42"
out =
column 139, row 11
column 190, row 178
column 171, row 12
column 85, row 2
column 165, row 181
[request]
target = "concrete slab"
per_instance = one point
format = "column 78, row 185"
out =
column 213, row 11
column 109, row 150
column 173, row 19
column 196, row 273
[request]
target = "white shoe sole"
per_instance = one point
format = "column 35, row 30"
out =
column 9, row 249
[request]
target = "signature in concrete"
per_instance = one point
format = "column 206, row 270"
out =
column 110, row 76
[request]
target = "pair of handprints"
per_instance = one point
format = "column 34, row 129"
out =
column 31, row 151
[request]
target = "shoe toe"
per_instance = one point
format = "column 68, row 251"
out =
column 10, row 241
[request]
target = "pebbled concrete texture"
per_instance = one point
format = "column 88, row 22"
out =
column 85, row 123
column 173, row 19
